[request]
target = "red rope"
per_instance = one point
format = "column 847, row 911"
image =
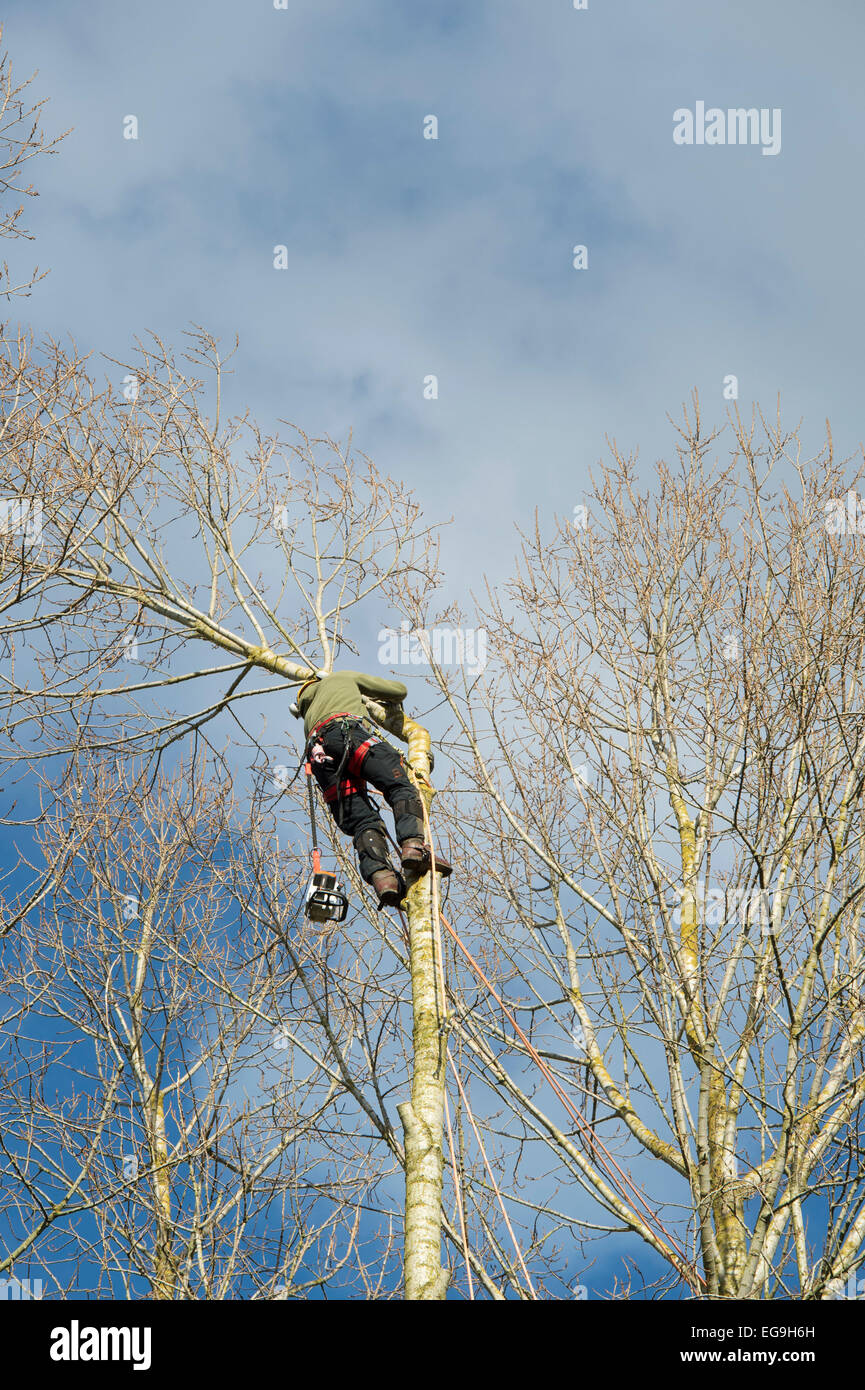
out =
column 687, row 1269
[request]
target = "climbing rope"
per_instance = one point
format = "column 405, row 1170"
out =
column 601, row 1153
column 680, row 1261
column 619, row 1180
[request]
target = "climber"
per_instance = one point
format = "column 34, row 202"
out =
column 345, row 752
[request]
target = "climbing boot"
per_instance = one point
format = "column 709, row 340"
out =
column 416, row 857
column 389, row 886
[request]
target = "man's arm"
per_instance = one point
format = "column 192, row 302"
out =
column 380, row 689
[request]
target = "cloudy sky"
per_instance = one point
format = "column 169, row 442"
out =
column 303, row 127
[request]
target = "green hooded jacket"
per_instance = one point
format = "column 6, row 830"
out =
column 340, row 693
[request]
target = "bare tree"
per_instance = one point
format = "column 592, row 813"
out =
column 660, row 779
column 166, row 1103
column 146, row 526
column 22, row 138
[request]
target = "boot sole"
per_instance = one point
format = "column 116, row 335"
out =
column 422, row 866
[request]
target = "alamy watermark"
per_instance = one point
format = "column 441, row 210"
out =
column 21, row 516
column 20, row 1288
column 854, row 1288
column 77, row 1343
column 845, row 515
column 446, row 646
column 737, row 125
column 752, row 906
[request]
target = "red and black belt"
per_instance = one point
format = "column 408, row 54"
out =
column 352, row 764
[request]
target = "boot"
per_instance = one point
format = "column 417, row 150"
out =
column 416, row 857
column 389, row 886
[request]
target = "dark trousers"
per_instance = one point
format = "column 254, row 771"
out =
column 343, row 782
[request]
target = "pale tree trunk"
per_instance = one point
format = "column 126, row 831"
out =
column 724, row 1248
column 422, row 1116
column 164, row 1281
column 164, row 1267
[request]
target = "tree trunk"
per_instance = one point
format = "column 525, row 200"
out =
column 422, row 1116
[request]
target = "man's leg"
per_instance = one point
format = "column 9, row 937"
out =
column 386, row 770
column 373, row 856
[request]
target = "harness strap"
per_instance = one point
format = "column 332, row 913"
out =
column 329, row 720
column 355, row 762
column 345, row 788
column 349, row 781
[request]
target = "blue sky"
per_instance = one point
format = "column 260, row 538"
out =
column 303, row 127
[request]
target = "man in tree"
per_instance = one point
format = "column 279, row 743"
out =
column 345, row 753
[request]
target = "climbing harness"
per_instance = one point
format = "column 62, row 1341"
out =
column 349, row 781
column 325, row 901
